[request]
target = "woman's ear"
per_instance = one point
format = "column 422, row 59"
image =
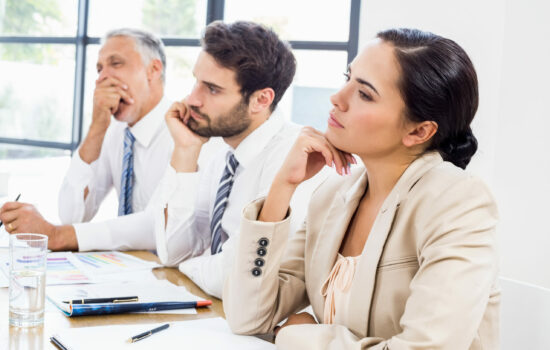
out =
column 420, row 133
column 261, row 100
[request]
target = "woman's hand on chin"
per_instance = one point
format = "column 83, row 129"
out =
column 310, row 153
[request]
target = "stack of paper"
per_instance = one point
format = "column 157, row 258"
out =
column 210, row 333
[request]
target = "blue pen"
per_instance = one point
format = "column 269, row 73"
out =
column 146, row 334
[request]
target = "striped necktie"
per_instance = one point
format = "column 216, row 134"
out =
column 224, row 188
column 127, row 180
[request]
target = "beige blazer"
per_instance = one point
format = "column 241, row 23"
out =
column 426, row 278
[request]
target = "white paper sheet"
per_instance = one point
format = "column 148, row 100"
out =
column 70, row 268
column 131, row 276
column 4, row 271
column 4, row 238
column 62, row 268
column 210, row 333
column 65, row 268
column 97, row 263
column 4, row 279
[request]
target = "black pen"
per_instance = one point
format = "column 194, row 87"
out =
column 16, row 199
column 103, row 300
column 57, row 343
column 146, row 334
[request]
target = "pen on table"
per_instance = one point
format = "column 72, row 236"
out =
column 146, row 334
column 103, row 300
column 16, row 199
column 57, row 343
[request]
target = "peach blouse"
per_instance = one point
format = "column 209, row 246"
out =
column 336, row 287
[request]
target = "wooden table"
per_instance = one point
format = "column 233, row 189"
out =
column 38, row 338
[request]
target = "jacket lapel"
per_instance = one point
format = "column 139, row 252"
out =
column 330, row 238
column 363, row 286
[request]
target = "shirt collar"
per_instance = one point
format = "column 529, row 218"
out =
column 254, row 143
column 145, row 129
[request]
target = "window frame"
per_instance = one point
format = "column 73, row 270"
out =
column 215, row 11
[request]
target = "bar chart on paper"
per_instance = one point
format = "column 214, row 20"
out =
column 112, row 262
column 63, row 268
column 90, row 267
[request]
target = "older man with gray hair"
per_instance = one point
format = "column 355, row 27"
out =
column 129, row 153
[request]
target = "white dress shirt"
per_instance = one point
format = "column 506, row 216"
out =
column 190, row 198
column 152, row 152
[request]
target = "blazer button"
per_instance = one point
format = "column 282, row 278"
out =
column 263, row 242
column 261, row 251
column 256, row 271
column 259, row 262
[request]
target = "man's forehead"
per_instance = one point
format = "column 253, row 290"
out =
column 118, row 45
column 207, row 69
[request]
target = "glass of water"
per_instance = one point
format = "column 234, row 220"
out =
column 27, row 279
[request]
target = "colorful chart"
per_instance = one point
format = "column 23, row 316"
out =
column 90, row 267
column 62, row 269
column 101, row 259
column 111, row 262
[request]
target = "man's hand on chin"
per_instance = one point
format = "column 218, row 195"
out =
column 187, row 144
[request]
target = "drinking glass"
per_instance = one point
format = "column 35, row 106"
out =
column 27, row 279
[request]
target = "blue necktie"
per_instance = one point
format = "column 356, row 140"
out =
column 127, row 180
column 224, row 188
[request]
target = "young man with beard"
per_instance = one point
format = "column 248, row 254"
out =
column 241, row 74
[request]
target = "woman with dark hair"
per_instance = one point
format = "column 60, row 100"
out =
column 399, row 253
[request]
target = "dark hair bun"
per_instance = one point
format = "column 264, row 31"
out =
column 459, row 149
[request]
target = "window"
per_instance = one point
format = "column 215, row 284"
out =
column 165, row 18
column 30, row 108
column 324, row 41
column 48, row 50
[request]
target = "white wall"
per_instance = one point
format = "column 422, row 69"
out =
column 466, row 22
column 522, row 173
column 514, row 74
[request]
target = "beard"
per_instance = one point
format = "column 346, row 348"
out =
column 229, row 124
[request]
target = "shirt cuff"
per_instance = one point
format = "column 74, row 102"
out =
column 93, row 236
column 80, row 173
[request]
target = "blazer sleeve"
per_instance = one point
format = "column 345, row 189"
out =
column 260, row 291
column 326, row 336
column 449, row 294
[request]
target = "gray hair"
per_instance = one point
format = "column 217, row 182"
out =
column 149, row 46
